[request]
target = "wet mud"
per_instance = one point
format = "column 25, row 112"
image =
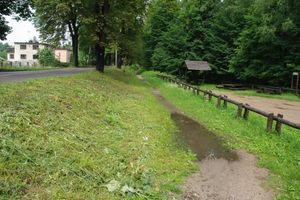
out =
column 201, row 141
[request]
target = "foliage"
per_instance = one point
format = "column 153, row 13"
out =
column 56, row 19
column 161, row 13
column 3, row 50
column 46, row 58
column 200, row 30
column 269, row 44
column 78, row 137
column 19, row 10
column 280, row 154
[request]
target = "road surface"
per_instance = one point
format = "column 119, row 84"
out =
column 17, row 76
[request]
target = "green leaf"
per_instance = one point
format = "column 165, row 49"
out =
column 113, row 185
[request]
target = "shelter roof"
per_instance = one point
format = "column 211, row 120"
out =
column 195, row 65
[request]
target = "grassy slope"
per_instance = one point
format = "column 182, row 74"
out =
column 79, row 136
column 279, row 154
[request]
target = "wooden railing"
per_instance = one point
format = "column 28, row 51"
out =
column 270, row 116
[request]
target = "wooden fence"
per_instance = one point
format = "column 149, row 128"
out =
column 240, row 106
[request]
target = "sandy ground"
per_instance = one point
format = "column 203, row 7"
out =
column 289, row 109
column 219, row 179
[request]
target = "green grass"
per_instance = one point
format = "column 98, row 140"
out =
column 87, row 136
column 280, row 154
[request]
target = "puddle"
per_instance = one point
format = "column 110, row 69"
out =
column 195, row 136
column 202, row 142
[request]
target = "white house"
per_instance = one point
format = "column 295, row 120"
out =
column 24, row 53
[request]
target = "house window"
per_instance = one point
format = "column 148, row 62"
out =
column 11, row 56
column 23, row 46
column 23, row 56
column 35, row 56
column 35, row 46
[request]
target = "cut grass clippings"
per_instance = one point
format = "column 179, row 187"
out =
column 280, row 154
column 87, row 136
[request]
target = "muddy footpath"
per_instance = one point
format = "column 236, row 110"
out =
column 223, row 174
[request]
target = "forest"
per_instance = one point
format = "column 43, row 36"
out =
column 254, row 41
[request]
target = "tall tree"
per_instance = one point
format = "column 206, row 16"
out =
column 20, row 10
column 160, row 14
column 111, row 22
column 55, row 19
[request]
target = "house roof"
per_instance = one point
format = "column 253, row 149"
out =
column 195, row 65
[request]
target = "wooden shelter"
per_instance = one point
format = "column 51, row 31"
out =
column 193, row 66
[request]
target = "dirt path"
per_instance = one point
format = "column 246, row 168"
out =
column 220, row 179
column 289, row 109
column 223, row 180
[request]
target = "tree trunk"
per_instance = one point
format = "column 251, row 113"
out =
column 75, row 49
column 119, row 64
column 100, row 47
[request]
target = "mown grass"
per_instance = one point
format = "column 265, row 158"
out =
column 87, row 136
column 280, row 154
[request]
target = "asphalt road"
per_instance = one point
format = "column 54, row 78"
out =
column 17, row 76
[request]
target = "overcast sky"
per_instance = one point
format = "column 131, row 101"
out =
column 22, row 31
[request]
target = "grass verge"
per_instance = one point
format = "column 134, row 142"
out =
column 87, row 136
column 280, row 154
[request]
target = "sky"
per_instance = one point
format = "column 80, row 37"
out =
column 22, row 31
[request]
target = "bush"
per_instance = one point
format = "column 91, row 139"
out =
column 46, row 58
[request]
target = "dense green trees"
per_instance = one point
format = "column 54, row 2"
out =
column 249, row 40
column 192, row 30
column 269, row 46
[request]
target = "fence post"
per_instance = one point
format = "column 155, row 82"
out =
column 193, row 90
column 179, row 83
column 219, row 101
column 185, row 86
column 225, row 102
column 204, row 95
column 270, row 122
column 240, row 109
column 246, row 113
column 278, row 124
column 209, row 96
column 197, row 91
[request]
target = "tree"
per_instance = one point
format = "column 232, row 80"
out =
column 111, row 22
column 3, row 50
column 55, row 19
column 160, row 14
column 46, row 58
column 20, row 10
